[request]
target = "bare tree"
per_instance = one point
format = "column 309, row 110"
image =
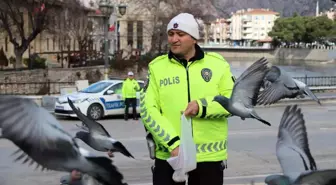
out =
column 24, row 20
column 78, row 25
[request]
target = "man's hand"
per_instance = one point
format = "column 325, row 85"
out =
column 175, row 152
column 110, row 154
column 192, row 109
column 75, row 175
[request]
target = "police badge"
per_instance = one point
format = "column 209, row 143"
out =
column 206, row 74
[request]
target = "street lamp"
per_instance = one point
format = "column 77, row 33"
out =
column 122, row 9
column 106, row 9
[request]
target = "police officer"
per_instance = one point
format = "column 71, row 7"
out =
column 129, row 89
column 187, row 79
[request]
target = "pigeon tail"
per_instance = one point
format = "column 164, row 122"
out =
column 311, row 94
column 122, row 149
column 111, row 175
column 256, row 116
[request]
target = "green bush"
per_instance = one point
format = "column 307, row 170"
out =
column 36, row 63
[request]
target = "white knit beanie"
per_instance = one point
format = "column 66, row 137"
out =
column 186, row 23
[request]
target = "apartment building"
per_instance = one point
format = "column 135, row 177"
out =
column 331, row 13
column 220, row 30
column 251, row 25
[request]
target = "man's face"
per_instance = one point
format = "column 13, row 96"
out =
column 130, row 76
column 180, row 42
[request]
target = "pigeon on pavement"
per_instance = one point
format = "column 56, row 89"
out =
column 42, row 140
column 278, row 85
column 97, row 137
column 293, row 153
column 245, row 92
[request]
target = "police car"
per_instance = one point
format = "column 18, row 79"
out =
column 96, row 101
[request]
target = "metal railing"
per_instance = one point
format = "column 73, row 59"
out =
column 33, row 88
column 48, row 87
column 314, row 81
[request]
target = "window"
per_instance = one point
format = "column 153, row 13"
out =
column 130, row 33
column 54, row 40
column 139, row 35
column 47, row 44
column 117, row 88
column 96, row 87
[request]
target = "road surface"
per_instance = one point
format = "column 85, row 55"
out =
column 251, row 148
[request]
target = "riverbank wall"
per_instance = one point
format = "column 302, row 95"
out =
column 284, row 56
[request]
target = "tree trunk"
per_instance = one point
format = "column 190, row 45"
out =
column 18, row 58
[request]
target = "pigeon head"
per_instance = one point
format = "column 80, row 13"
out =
column 272, row 75
column 222, row 100
column 84, row 136
column 118, row 146
column 277, row 180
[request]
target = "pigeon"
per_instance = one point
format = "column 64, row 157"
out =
column 294, row 156
column 97, row 137
column 245, row 92
column 41, row 139
column 83, row 127
column 278, row 85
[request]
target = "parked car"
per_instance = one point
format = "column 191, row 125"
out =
column 100, row 99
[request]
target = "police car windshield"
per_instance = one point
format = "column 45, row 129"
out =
column 96, row 87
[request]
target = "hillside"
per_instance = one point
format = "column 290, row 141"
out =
column 285, row 7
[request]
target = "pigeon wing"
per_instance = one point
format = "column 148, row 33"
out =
column 34, row 130
column 91, row 124
column 321, row 177
column 273, row 93
column 282, row 86
column 247, row 86
column 292, row 147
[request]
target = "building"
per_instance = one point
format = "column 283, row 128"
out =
column 220, row 30
column 63, row 33
column 331, row 13
column 248, row 26
column 146, row 20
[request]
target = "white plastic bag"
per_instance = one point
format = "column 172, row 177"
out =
column 186, row 159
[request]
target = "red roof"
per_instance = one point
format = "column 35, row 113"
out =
column 261, row 11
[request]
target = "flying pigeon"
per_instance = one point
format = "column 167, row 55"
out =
column 245, row 92
column 278, row 85
column 97, row 137
column 42, row 140
column 293, row 153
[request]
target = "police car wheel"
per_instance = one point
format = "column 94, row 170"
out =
column 95, row 111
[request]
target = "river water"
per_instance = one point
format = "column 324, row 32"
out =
column 296, row 69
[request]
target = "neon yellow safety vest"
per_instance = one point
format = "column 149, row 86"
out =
column 170, row 87
column 129, row 88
